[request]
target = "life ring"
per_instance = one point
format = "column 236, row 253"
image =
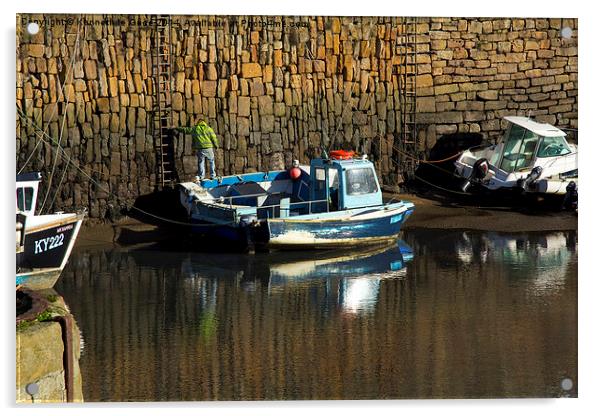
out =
column 341, row 154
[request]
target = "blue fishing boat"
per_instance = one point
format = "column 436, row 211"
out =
column 336, row 201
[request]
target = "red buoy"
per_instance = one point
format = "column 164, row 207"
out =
column 341, row 154
column 294, row 173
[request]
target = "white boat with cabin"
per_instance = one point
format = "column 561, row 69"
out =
column 532, row 157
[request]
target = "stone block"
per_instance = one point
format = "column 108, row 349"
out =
column 103, row 105
column 265, row 105
column 139, row 140
column 446, row 89
column 179, row 81
column 279, row 109
column 487, row 95
column 114, row 124
column 276, row 143
column 244, row 106
column 438, row 45
column 495, row 105
column 190, row 165
column 267, row 123
column 474, row 26
column 424, row 80
column 38, row 355
column 90, row 69
column 251, row 70
column 242, row 126
column 209, row 88
column 210, row 72
column 277, row 58
column 36, row 50
column 257, row 88
column 489, row 125
column 177, row 101
column 474, row 116
column 80, row 85
column 507, row 68
column 425, row 104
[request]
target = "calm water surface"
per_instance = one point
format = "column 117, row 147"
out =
column 461, row 315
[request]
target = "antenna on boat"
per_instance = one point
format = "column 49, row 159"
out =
column 323, row 152
column 529, row 114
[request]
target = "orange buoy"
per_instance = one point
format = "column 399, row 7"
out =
column 341, row 154
column 294, row 173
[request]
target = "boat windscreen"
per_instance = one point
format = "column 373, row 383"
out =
column 519, row 148
column 553, row 146
column 360, row 181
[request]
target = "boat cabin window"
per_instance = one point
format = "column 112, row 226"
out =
column 24, row 198
column 320, row 183
column 360, row 181
column 333, row 189
column 553, row 146
column 519, row 149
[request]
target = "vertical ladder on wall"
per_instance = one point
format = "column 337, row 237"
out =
column 162, row 117
column 408, row 141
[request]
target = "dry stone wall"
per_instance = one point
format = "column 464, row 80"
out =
column 273, row 88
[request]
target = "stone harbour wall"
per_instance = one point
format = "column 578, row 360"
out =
column 473, row 72
column 273, row 88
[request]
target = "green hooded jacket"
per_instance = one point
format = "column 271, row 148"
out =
column 203, row 136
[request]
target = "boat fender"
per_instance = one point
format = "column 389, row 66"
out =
column 570, row 198
column 531, row 178
column 294, row 173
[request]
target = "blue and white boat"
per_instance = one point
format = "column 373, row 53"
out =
column 336, row 201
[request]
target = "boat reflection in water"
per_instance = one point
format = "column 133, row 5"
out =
column 472, row 315
column 351, row 279
column 543, row 259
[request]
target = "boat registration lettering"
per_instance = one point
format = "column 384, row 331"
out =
column 48, row 243
column 65, row 228
column 396, row 218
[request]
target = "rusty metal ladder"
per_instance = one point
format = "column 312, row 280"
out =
column 408, row 140
column 162, row 113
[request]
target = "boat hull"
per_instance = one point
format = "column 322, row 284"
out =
column 47, row 247
column 38, row 279
column 375, row 227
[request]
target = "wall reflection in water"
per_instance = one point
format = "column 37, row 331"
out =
column 470, row 315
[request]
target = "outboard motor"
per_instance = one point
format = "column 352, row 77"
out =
column 570, row 198
column 531, row 178
column 480, row 169
column 246, row 223
column 248, row 220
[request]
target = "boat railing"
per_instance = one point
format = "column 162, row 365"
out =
column 222, row 199
column 228, row 200
column 291, row 206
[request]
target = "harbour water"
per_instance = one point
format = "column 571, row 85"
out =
column 466, row 314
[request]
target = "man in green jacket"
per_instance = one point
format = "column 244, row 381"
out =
column 204, row 141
